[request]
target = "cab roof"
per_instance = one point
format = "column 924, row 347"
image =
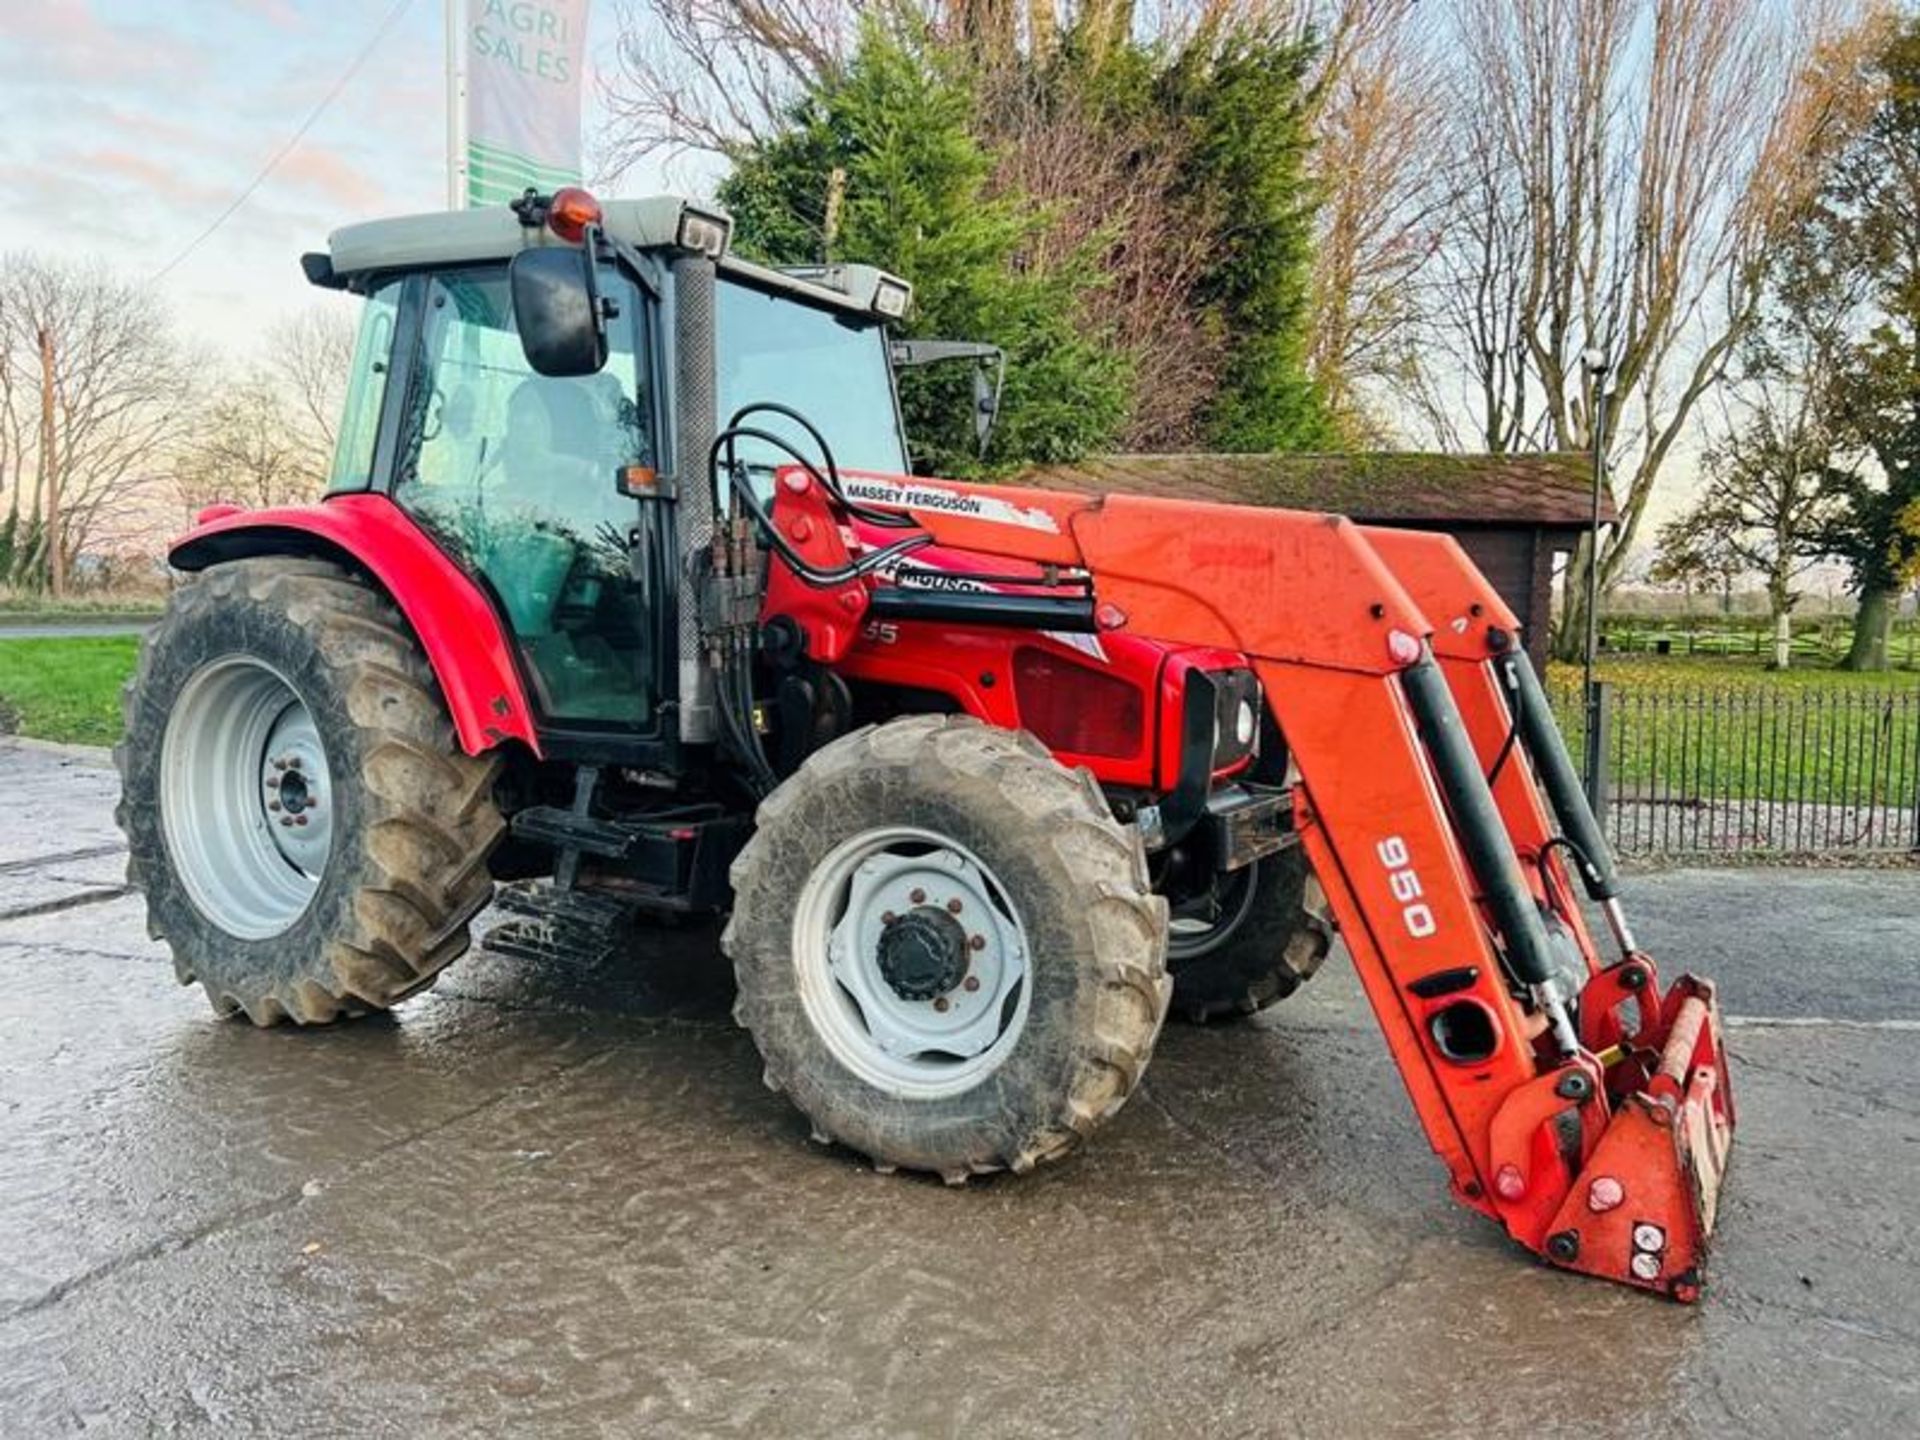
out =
column 453, row 237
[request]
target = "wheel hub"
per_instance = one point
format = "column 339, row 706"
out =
column 294, row 786
column 913, row 964
column 923, row 953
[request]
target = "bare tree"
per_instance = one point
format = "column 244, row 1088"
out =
column 92, row 366
column 1628, row 167
column 251, row 446
column 310, row 355
column 716, row 75
column 1379, row 121
column 1110, row 188
column 1771, row 496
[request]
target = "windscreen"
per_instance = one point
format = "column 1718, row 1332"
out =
column 830, row 367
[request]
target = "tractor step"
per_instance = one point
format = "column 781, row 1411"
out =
column 569, row 830
column 560, row 924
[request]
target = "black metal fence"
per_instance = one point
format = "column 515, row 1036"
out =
column 1703, row 772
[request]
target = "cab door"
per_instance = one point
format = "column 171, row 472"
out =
column 515, row 475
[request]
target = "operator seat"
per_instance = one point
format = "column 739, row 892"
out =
column 546, row 464
column 552, row 440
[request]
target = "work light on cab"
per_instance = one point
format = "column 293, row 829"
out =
column 708, row 234
column 570, row 212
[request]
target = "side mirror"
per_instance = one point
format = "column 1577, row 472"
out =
column 989, row 375
column 986, row 402
column 556, row 306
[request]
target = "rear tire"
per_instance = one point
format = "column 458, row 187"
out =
column 862, row 863
column 310, row 839
column 1275, row 932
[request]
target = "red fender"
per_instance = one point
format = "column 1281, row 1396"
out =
column 472, row 657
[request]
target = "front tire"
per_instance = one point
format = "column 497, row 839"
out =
column 946, row 948
column 310, row 839
column 1265, row 934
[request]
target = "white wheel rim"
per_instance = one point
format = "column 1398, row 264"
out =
column 912, row 1035
column 246, row 797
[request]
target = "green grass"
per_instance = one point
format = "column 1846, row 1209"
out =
column 1749, row 640
column 27, row 607
column 65, row 689
column 1683, row 729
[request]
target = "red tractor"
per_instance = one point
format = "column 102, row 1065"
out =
column 623, row 591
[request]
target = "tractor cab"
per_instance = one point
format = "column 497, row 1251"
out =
column 545, row 487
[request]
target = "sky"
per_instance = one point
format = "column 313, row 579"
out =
column 127, row 126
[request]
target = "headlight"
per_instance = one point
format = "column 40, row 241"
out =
column 1236, row 716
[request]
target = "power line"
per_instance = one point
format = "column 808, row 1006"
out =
column 333, row 92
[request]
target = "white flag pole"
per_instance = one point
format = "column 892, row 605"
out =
column 456, row 104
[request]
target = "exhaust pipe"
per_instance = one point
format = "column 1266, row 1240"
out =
column 696, row 421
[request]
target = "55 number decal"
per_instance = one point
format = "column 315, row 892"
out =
column 1406, row 888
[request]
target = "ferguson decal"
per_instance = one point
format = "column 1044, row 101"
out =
column 917, row 495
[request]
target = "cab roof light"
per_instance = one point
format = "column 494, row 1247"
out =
column 570, row 212
column 891, row 298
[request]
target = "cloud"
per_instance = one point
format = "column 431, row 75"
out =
column 146, row 173
column 65, row 40
column 278, row 13
column 325, row 173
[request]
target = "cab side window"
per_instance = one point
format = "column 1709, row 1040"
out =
column 366, row 385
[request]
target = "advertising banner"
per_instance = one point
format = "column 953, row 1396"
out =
column 522, row 62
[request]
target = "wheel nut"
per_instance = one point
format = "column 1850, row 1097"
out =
column 278, row 763
column 953, row 906
column 972, row 982
column 299, row 819
column 293, row 763
column 273, row 804
column 976, row 942
column 942, row 1004
column 286, row 819
column 887, row 917
column 919, row 897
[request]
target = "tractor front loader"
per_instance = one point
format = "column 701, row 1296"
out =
column 624, row 599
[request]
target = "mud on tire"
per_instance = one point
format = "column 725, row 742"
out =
column 413, row 818
column 1078, row 882
column 1276, row 936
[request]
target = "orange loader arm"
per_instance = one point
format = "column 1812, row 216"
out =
column 1570, row 1096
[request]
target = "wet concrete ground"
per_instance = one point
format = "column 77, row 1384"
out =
column 561, row 1203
